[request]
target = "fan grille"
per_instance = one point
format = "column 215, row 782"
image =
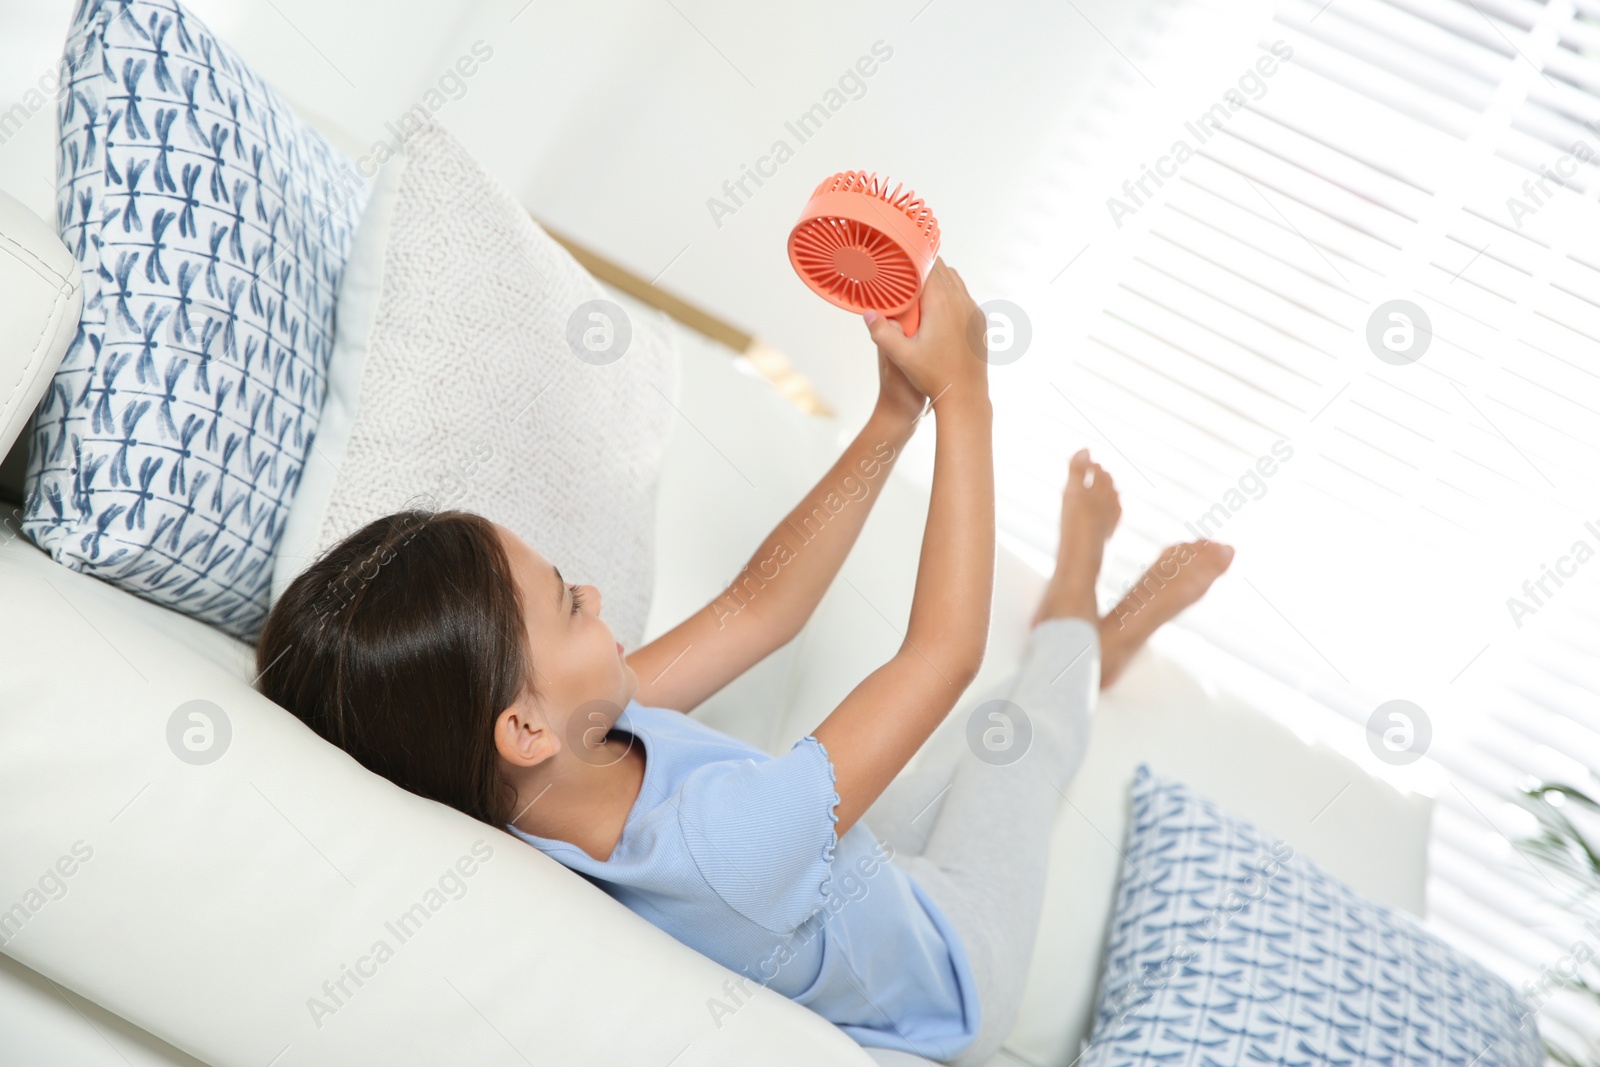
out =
column 855, row 264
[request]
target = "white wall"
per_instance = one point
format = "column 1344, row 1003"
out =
column 615, row 121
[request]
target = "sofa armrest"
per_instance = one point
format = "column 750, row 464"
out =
column 38, row 318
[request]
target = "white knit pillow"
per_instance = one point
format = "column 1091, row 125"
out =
column 469, row 372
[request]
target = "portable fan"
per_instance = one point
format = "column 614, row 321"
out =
column 864, row 248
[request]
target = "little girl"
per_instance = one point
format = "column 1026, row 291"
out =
column 443, row 652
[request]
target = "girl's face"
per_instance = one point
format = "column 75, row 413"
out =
column 581, row 678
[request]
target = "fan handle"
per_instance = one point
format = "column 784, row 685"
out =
column 911, row 317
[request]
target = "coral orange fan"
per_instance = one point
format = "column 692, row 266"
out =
column 864, row 248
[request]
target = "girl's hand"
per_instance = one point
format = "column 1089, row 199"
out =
column 949, row 349
column 898, row 399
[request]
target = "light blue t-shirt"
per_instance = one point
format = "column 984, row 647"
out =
column 733, row 852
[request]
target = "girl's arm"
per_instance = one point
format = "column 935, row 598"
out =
column 885, row 719
column 771, row 598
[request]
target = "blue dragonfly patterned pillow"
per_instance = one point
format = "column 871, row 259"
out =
column 212, row 226
column 1227, row 948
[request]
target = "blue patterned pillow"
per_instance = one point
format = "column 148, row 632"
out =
column 1227, row 948
column 211, row 225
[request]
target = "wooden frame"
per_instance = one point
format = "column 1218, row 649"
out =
column 771, row 364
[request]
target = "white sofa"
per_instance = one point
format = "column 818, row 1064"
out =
column 216, row 900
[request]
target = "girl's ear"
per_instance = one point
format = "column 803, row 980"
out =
column 523, row 738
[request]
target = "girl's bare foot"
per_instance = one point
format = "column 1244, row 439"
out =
column 1177, row 579
column 1089, row 512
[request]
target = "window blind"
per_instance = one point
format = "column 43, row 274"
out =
column 1443, row 152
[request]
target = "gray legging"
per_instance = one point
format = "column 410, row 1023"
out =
column 975, row 831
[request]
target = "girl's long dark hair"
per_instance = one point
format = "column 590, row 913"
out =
column 402, row 644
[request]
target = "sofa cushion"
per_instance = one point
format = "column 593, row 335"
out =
column 1228, row 947
column 247, row 883
column 479, row 366
column 210, row 225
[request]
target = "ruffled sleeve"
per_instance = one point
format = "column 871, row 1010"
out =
column 762, row 833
